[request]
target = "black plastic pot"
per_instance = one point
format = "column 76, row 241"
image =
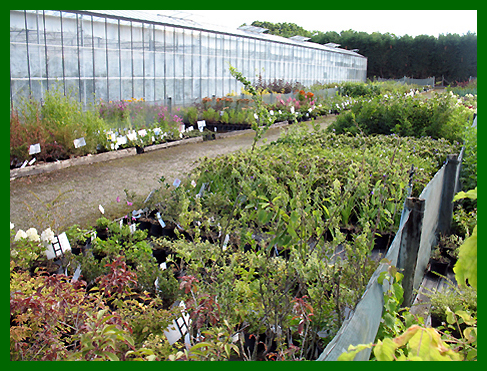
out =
column 102, row 234
column 438, row 267
column 155, row 229
column 384, row 241
column 160, row 255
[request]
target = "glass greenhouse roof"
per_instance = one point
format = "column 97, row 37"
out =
column 177, row 19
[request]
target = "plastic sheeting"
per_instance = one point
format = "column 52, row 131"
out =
column 362, row 326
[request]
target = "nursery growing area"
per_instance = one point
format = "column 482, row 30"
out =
column 259, row 255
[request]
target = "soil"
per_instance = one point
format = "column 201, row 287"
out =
column 72, row 195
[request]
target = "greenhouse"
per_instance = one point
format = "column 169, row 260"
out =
column 114, row 55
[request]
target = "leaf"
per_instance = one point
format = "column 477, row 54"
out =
column 470, row 334
column 471, row 194
column 200, row 345
column 466, row 266
column 352, row 352
column 404, row 338
column 467, row 318
column 111, row 356
column 450, row 316
column 384, row 350
column 294, row 217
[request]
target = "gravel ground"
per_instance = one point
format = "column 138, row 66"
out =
column 71, row 196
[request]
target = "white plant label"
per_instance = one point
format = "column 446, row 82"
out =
column 225, row 242
column 132, row 228
column 32, row 161
column 102, row 210
column 132, row 135
column 64, row 244
column 24, row 164
column 201, row 124
column 34, row 148
column 179, row 327
column 163, row 266
column 182, row 128
column 176, row 183
column 190, row 128
column 80, row 142
column 159, row 219
column 121, row 140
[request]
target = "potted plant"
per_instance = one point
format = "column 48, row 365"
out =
column 438, row 262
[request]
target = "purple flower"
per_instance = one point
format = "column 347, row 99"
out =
column 118, row 199
column 129, row 203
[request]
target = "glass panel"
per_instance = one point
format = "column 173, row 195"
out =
column 160, row 93
column 53, row 28
column 71, row 68
column 55, row 66
column 18, row 60
column 127, row 91
column 125, row 35
column 137, row 57
column 149, row 90
column 138, row 89
column 204, row 43
column 114, row 89
column 160, row 64
column 17, row 26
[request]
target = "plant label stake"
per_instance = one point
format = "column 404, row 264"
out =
column 80, row 142
column 32, row 161
column 34, row 148
column 225, row 242
column 24, row 164
column 202, row 189
column 159, row 219
column 121, row 140
column 149, row 196
column 57, row 248
column 176, row 183
column 178, row 328
column 201, row 125
column 76, row 274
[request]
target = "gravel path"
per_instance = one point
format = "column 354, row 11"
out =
column 82, row 188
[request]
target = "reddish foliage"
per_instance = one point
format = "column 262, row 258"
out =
column 118, row 280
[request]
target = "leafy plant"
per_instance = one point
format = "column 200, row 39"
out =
column 466, row 266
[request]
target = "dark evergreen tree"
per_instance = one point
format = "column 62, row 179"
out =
column 451, row 56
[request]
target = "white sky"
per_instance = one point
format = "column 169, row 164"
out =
column 398, row 22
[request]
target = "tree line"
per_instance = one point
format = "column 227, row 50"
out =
column 389, row 56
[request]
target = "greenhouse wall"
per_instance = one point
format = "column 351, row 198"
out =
column 113, row 55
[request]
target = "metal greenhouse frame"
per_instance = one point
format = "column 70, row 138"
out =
column 113, row 55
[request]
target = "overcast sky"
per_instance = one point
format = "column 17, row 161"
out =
column 398, row 22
